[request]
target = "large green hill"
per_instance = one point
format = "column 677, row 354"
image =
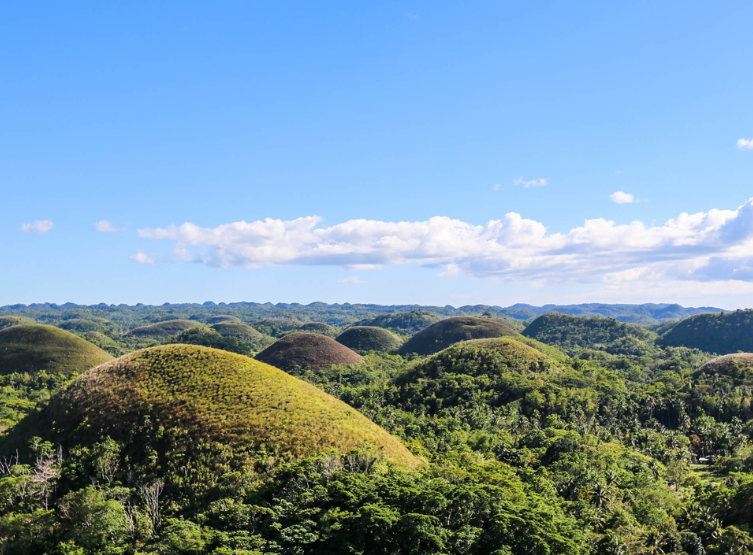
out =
column 720, row 333
column 33, row 348
column 307, row 349
column 444, row 333
column 402, row 322
column 582, row 332
column 208, row 395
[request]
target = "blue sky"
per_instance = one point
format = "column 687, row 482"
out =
column 494, row 132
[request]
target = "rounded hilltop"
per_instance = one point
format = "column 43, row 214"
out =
column 221, row 318
column 449, row 331
column 211, row 396
column 34, row 348
column 307, row 349
column 243, row 333
column 365, row 339
column 167, row 328
column 738, row 366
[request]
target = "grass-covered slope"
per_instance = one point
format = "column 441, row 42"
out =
column 216, row 396
column 444, row 333
column 320, row 327
column 720, row 333
column 222, row 318
column 164, row 329
column 307, row 349
column 573, row 332
column 8, row 321
column 243, row 333
column 33, row 348
column 737, row 366
column 406, row 323
column 365, row 339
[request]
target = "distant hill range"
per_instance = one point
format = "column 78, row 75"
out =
column 346, row 313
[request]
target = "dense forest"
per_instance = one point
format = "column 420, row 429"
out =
column 451, row 434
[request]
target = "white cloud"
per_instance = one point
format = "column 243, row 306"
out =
column 412, row 16
column 619, row 197
column 350, row 279
column 143, row 258
column 39, row 226
column 745, row 144
column 708, row 247
column 498, row 186
column 103, row 226
column 531, row 183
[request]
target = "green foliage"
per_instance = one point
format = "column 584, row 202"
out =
column 721, row 333
column 320, row 327
column 405, row 323
column 8, row 321
column 574, row 333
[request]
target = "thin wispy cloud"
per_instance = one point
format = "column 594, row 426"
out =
column 38, row 226
column 143, row 258
column 708, row 247
column 412, row 16
column 103, row 226
column 745, row 144
column 350, row 279
column 531, row 182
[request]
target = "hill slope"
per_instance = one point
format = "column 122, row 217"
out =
column 364, row 339
column 572, row 332
column 720, row 333
column 320, row 327
column 164, row 329
column 32, row 348
column 402, row 322
column 215, row 396
column 243, row 333
column 307, row 349
column 444, row 333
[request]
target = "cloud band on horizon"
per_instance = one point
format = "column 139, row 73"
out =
column 703, row 247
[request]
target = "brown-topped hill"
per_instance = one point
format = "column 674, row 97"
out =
column 307, row 349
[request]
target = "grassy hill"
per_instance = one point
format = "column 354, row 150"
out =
column 32, row 348
column 307, row 349
column 581, row 332
column 737, row 366
column 406, row 323
column 320, row 327
column 720, row 333
column 365, row 339
column 222, row 318
column 8, row 321
column 243, row 333
column 168, row 328
column 208, row 395
column 444, row 333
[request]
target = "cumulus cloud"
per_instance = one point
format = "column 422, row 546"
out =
column 745, row 144
column 103, row 226
column 620, row 197
column 707, row 247
column 143, row 258
column 350, row 279
column 39, row 226
column 530, row 183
